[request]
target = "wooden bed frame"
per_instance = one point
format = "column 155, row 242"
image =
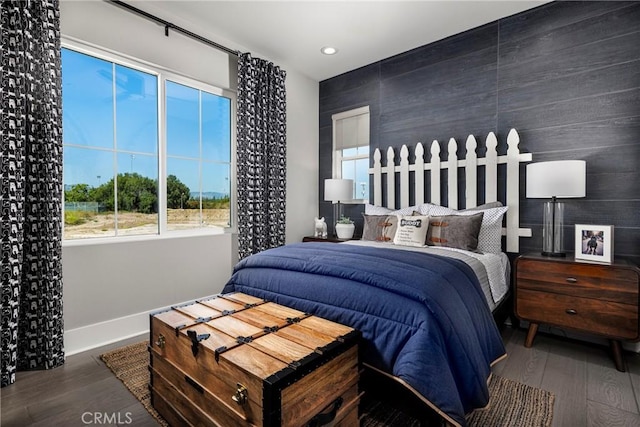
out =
column 384, row 387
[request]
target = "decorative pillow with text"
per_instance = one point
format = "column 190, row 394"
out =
column 412, row 230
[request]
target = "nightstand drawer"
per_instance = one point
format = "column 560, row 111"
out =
column 596, row 316
column 580, row 280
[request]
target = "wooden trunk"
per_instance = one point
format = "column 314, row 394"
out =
column 237, row 360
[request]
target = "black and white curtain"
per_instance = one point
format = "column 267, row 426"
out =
column 261, row 155
column 31, row 186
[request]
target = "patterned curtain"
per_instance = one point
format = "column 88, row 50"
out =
column 261, row 155
column 31, row 186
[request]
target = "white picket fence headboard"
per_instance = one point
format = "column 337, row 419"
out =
column 470, row 163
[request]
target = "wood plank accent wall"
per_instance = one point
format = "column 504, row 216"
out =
column 565, row 74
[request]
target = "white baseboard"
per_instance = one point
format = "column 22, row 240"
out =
column 102, row 333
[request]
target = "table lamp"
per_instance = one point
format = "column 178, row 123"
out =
column 335, row 191
column 556, row 180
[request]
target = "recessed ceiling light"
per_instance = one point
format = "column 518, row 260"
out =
column 328, row 50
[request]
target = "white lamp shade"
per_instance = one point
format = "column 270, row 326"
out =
column 336, row 190
column 561, row 179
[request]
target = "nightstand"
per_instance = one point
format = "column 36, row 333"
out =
column 323, row 239
column 599, row 299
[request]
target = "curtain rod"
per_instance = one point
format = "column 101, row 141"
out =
column 168, row 25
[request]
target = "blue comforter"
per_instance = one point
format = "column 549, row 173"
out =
column 423, row 317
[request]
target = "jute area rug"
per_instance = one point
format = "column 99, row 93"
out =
column 512, row 403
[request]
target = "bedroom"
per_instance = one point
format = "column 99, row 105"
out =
column 594, row 118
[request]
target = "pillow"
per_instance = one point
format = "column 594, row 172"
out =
column 404, row 211
column 455, row 231
column 370, row 209
column 430, row 208
column 486, row 206
column 412, row 230
column 426, row 208
column 379, row 228
column 490, row 237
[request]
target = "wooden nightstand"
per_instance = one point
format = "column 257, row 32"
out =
column 600, row 299
column 323, row 239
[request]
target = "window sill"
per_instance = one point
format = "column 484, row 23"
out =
column 148, row 237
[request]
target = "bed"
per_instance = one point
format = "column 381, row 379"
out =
column 425, row 312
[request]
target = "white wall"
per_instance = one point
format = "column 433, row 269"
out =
column 109, row 288
column 111, row 27
column 302, row 155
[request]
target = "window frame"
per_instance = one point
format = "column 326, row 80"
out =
column 163, row 74
column 336, row 154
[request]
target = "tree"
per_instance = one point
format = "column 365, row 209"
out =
column 177, row 193
column 78, row 193
column 104, row 195
column 147, row 202
column 136, row 193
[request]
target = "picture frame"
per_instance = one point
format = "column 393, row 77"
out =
column 594, row 243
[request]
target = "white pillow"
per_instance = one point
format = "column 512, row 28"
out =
column 376, row 210
column 405, row 211
column 411, row 231
column 490, row 237
column 426, row 208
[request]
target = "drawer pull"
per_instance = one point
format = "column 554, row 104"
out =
column 572, row 280
column 571, row 311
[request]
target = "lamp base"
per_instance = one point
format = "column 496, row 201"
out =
column 554, row 254
column 552, row 229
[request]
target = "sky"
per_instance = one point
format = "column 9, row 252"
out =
column 110, row 126
column 357, row 170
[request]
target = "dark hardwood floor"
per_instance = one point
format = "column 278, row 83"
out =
column 588, row 389
column 73, row 395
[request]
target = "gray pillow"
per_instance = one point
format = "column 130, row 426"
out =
column 455, row 231
column 485, row 206
column 379, row 228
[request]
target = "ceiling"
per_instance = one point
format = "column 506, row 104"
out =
column 291, row 33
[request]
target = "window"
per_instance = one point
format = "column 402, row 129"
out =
column 145, row 152
column 198, row 157
column 351, row 149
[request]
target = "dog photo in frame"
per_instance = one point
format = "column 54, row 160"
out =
column 594, row 242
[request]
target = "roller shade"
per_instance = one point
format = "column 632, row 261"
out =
column 352, row 132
